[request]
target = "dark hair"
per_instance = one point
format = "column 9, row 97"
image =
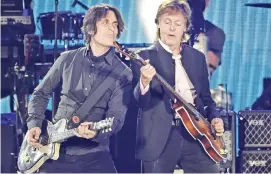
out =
column 174, row 5
column 96, row 13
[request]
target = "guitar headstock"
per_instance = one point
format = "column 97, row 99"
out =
column 123, row 51
column 104, row 125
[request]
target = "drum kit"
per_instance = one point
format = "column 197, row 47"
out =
column 68, row 25
column 62, row 26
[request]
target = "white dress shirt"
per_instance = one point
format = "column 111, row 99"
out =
column 183, row 85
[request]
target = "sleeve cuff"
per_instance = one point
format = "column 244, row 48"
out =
column 143, row 90
column 34, row 123
column 213, row 114
column 99, row 137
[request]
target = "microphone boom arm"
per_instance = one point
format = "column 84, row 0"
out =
column 80, row 4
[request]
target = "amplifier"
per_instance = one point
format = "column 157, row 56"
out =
column 5, row 20
column 255, row 162
column 11, row 52
column 254, row 129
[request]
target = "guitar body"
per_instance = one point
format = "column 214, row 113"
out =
column 30, row 159
column 201, row 130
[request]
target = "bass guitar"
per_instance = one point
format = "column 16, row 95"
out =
column 196, row 124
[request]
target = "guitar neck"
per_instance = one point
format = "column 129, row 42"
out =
column 172, row 91
column 140, row 62
column 101, row 125
column 58, row 137
column 168, row 86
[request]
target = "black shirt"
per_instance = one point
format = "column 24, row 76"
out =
column 81, row 73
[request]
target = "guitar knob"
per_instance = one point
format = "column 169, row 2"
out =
column 222, row 152
column 33, row 149
column 25, row 157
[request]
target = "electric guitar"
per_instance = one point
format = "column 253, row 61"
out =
column 30, row 159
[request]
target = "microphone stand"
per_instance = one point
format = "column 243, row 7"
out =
column 55, row 55
column 80, row 4
column 227, row 102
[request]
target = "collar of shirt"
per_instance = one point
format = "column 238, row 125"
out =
column 107, row 57
column 168, row 50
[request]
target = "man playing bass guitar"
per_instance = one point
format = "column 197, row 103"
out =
column 162, row 140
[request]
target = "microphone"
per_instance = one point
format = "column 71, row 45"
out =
column 74, row 3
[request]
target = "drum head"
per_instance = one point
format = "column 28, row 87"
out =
column 79, row 17
column 222, row 100
column 65, row 25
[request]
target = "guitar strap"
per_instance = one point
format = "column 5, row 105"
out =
column 93, row 98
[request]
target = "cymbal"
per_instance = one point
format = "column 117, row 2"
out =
column 261, row 5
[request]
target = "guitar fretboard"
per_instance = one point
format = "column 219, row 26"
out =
column 57, row 137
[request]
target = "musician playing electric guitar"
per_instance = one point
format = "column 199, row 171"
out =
column 163, row 140
column 81, row 72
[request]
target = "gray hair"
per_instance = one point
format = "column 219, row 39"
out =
column 95, row 14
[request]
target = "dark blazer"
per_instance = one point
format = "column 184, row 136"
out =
column 155, row 118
